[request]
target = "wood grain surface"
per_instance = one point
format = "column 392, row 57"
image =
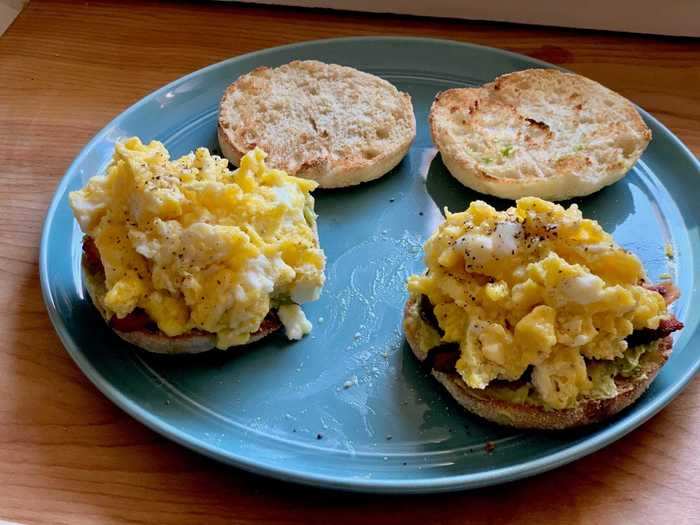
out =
column 67, row 455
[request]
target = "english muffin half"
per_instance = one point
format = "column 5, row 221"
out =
column 538, row 132
column 329, row 123
column 534, row 317
column 185, row 255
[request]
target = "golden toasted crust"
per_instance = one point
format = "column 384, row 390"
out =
column 529, row 416
column 329, row 123
column 538, row 132
column 155, row 342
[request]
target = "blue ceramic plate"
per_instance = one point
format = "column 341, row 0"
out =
column 281, row 408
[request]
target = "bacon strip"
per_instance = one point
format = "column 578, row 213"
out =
column 427, row 314
column 136, row 321
column 442, row 358
column 668, row 291
column 271, row 323
column 139, row 320
column 92, row 255
column 647, row 335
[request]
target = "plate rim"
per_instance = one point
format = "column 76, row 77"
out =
column 403, row 486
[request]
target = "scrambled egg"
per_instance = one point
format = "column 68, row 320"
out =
column 198, row 246
column 537, row 285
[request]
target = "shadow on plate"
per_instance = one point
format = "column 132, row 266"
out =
column 611, row 205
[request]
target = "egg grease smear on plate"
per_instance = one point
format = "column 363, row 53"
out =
column 535, row 317
column 181, row 256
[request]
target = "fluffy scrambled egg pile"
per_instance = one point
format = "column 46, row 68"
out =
column 198, row 246
column 534, row 285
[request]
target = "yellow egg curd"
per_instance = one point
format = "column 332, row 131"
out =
column 535, row 285
column 198, row 246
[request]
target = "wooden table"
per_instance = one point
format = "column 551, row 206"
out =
column 67, row 455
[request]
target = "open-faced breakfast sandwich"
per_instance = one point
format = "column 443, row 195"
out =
column 182, row 256
column 534, row 317
column 329, row 123
column 538, row 132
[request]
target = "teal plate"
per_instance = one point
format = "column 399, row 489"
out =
column 282, row 408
